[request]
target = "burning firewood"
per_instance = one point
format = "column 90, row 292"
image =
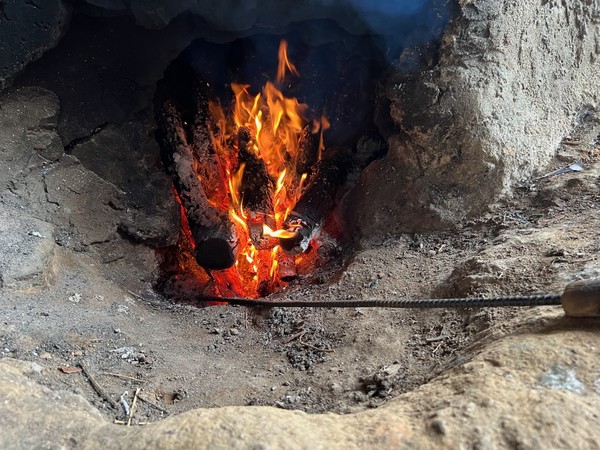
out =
column 257, row 185
column 241, row 174
column 309, row 151
column 214, row 234
column 316, row 201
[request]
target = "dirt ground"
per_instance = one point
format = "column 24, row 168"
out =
column 102, row 314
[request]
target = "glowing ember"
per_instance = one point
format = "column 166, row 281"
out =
column 273, row 124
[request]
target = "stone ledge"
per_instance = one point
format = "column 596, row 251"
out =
column 535, row 388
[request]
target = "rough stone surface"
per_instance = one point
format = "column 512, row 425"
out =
column 27, row 30
column 513, row 78
column 18, row 390
column 231, row 15
column 520, row 391
column 27, row 250
column 128, row 157
column 28, row 118
column 86, row 202
column 105, row 70
column 120, row 182
column 39, row 184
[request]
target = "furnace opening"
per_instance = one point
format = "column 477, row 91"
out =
column 254, row 170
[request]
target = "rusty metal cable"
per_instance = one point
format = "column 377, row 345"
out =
column 466, row 302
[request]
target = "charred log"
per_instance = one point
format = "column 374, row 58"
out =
column 256, row 182
column 308, row 151
column 212, row 230
column 315, row 203
column 207, row 164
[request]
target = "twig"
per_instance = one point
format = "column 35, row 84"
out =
column 294, row 336
column 154, row 405
column 135, row 295
column 131, row 411
column 326, row 350
column 125, row 377
column 96, row 386
column 441, row 337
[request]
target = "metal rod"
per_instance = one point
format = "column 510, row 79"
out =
column 467, row 302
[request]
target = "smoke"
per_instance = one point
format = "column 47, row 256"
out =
column 395, row 8
column 397, row 24
column 340, row 47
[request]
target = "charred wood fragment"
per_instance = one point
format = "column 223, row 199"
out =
column 257, row 185
column 201, row 99
column 207, row 164
column 316, row 201
column 212, row 230
column 308, row 153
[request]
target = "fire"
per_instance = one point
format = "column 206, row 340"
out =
column 285, row 234
column 273, row 124
column 284, row 63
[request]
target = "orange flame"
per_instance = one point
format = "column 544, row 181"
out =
column 283, row 234
column 275, row 124
column 284, row 63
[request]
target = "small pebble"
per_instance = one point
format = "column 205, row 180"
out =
column 45, row 355
column 75, row 298
column 438, row 426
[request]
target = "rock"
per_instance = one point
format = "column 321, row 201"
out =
column 27, row 255
column 128, row 157
column 521, row 260
column 483, row 117
column 28, row 119
column 27, row 30
column 45, row 355
column 111, row 5
column 85, row 201
column 437, row 426
column 354, row 16
column 105, row 70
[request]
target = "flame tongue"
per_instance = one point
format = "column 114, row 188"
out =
column 284, row 63
column 274, row 125
column 282, row 234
